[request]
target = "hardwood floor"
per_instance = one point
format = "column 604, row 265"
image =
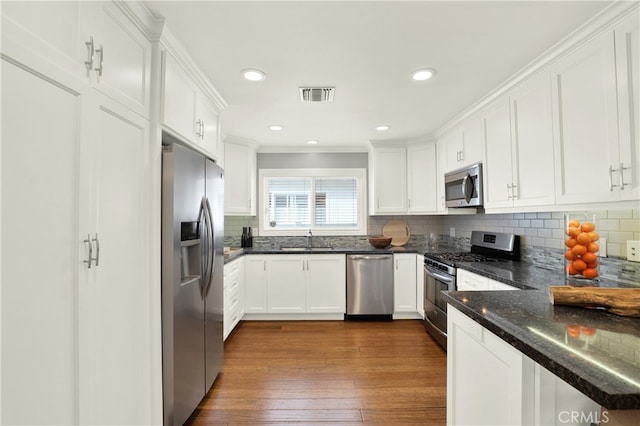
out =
column 330, row 372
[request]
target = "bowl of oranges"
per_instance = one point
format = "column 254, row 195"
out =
column 582, row 249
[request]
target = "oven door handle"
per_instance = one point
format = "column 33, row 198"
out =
column 437, row 276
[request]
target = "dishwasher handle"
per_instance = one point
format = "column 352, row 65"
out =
column 369, row 256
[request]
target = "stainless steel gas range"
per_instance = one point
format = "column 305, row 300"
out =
column 440, row 274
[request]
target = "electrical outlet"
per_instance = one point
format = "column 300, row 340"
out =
column 452, row 232
column 633, row 251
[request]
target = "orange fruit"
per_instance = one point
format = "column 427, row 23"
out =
column 579, row 249
column 594, row 236
column 569, row 255
column 593, row 247
column 587, row 227
column 579, row 265
column 570, row 242
column 573, row 223
column 589, row 273
column 583, row 238
column 588, row 331
column 573, row 231
column 571, row 270
column 589, row 257
column 573, row 330
column 593, row 264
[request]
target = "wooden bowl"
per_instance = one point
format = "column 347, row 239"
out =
column 380, row 242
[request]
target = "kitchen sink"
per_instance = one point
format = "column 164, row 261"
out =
column 306, row 248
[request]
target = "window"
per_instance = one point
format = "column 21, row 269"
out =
column 327, row 201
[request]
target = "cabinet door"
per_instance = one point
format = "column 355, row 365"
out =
column 468, row 281
column 122, row 59
column 115, row 318
column 179, row 100
column 390, row 180
column 485, row 376
column 455, row 149
column 326, row 285
column 472, row 142
column 585, row 123
column 420, row 284
column 404, row 283
column 421, row 178
column 286, row 289
column 532, row 141
column 240, row 180
column 497, row 285
column 255, row 284
column 208, row 115
column 441, row 148
column 627, row 59
column 41, row 244
column 49, row 28
column 498, row 176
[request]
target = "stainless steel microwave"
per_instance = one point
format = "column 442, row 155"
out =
column 463, row 187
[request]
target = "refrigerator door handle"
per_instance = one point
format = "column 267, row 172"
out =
column 211, row 253
column 206, row 269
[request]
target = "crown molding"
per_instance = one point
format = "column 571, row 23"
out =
column 603, row 21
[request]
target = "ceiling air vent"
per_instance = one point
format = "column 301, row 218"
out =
column 317, row 94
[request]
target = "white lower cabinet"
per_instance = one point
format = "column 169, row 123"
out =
column 488, row 381
column 234, row 306
column 404, row 284
column 468, row 281
column 295, row 284
column 255, row 284
column 420, row 285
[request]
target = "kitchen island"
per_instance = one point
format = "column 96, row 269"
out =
column 595, row 352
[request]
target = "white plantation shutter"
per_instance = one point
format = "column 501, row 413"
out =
column 336, row 202
column 320, row 200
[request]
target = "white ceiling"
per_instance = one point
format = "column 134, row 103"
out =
column 367, row 50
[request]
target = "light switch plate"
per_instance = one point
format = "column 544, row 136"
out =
column 602, row 242
column 633, row 251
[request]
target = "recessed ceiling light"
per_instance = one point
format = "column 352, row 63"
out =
column 276, row 127
column 253, row 74
column 312, row 142
column 382, row 128
column 423, row 74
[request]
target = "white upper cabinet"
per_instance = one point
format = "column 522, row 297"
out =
column 188, row 113
column 93, row 40
column 121, row 61
column 240, row 179
column 627, row 39
column 421, row 178
column 518, row 146
column 403, row 178
column 441, row 158
column 588, row 148
column 464, row 144
column 389, row 180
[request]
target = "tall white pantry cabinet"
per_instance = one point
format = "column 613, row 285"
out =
column 79, row 344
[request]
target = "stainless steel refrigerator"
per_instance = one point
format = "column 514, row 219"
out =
column 192, row 273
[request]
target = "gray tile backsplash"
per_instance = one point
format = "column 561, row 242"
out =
column 541, row 234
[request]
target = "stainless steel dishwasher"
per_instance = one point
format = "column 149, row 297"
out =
column 369, row 286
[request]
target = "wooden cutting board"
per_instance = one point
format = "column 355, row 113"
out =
column 398, row 230
column 620, row 301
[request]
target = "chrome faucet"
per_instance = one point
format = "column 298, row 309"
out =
column 309, row 239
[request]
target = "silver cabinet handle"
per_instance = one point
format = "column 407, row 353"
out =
column 611, row 185
column 89, row 62
column 202, row 129
column 88, row 261
column 101, row 67
column 621, row 175
column 509, row 197
column 514, row 194
column 97, row 258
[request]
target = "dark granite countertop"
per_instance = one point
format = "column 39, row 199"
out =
column 596, row 352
